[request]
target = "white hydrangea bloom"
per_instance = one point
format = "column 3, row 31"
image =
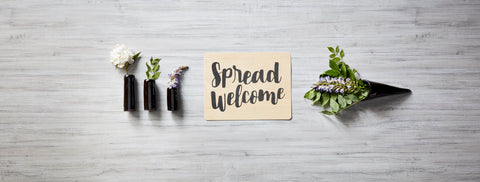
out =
column 120, row 56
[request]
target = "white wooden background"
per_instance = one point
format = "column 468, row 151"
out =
column 61, row 114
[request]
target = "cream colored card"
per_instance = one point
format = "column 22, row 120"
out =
column 247, row 86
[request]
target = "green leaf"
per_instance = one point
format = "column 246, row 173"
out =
column 333, row 65
column 327, row 112
column 359, row 96
column 148, row 75
column 332, row 55
column 337, row 59
column 325, row 98
column 156, row 75
column 344, row 71
column 365, row 93
column 337, row 49
column 334, row 105
column 317, row 98
column 342, row 101
column 136, row 56
column 148, row 67
column 331, row 49
column 333, row 96
column 348, row 101
column 155, row 69
column 332, row 73
column 351, row 74
column 310, row 94
column 351, row 97
column 155, row 61
column 342, row 54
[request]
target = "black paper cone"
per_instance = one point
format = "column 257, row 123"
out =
column 381, row 90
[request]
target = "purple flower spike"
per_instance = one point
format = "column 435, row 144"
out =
column 173, row 83
column 334, row 85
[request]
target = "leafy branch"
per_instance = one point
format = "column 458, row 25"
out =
column 339, row 72
column 152, row 69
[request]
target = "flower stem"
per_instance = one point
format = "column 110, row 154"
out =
column 126, row 68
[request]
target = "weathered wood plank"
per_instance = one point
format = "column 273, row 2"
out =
column 61, row 115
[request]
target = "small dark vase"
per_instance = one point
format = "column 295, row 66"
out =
column 172, row 100
column 381, row 90
column 129, row 93
column 149, row 95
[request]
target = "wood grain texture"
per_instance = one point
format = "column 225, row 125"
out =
column 61, row 115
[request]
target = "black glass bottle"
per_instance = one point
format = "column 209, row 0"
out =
column 129, row 93
column 149, row 95
column 172, row 99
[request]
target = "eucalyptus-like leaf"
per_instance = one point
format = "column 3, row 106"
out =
column 331, row 49
column 365, row 93
column 332, row 55
column 337, row 59
column 333, row 96
column 310, row 94
column 351, row 75
column 332, row 73
column 342, row 101
column 317, row 97
column 155, row 69
column 342, row 54
column 136, row 56
column 148, row 67
column 156, row 75
column 334, row 105
column 148, row 75
column 348, row 101
column 327, row 112
column 325, row 98
column 337, row 50
column 352, row 97
column 344, row 70
column 333, row 65
column 156, row 61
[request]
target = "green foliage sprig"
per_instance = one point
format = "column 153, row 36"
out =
column 338, row 88
column 135, row 58
column 152, row 69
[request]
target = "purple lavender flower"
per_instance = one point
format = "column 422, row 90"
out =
column 333, row 85
column 173, row 83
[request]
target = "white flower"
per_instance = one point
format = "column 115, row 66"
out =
column 120, row 56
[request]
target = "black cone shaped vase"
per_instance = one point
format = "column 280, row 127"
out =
column 382, row 90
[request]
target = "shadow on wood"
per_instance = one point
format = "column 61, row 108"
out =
column 380, row 106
